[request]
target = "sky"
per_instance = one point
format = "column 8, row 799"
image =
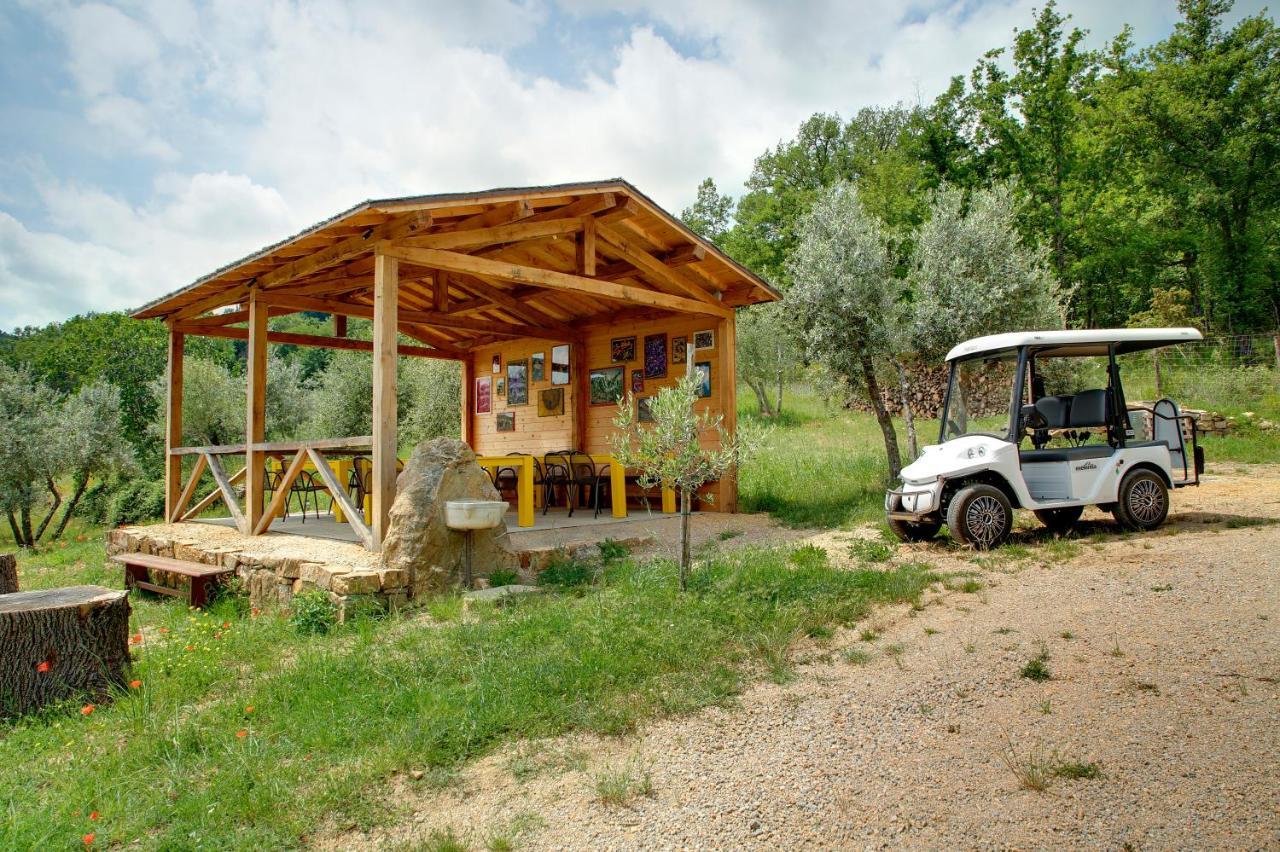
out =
column 145, row 143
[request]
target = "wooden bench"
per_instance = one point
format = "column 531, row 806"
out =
column 138, row 568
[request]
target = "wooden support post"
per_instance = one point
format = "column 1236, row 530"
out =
column 173, row 423
column 587, row 247
column 580, row 379
column 468, row 431
column 255, row 413
column 339, row 325
column 729, row 406
column 386, row 274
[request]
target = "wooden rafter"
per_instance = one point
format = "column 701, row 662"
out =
column 431, row 318
column 649, row 263
column 456, row 262
column 318, row 341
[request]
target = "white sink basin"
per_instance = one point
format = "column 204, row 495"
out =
column 474, row 514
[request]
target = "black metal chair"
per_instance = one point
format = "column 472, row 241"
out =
column 557, row 474
column 309, row 484
column 590, row 481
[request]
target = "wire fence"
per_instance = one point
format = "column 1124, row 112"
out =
column 1229, row 373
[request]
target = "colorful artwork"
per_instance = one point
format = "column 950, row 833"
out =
column 537, row 366
column 506, row 421
column 607, row 385
column 497, row 363
column 622, row 349
column 644, row 414
column 637, row 381
column 551, row 402
column 678, row 346
column 484, row 395
column 702, row 374
column 501, row 389
column 704, row 339
column 560, row 364
column 655, row 356
column 518, row 382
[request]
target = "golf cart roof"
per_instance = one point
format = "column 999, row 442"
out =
column 1079, row 342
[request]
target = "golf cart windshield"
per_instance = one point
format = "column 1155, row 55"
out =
column 978, row 396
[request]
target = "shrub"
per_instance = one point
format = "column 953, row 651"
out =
column 136, row 501
column 503, row 577
column 611, row 550
column 567, row 573
column 313, row 612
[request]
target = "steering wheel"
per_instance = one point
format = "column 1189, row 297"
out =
column 1033, row 419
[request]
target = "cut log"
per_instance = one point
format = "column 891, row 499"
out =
column 8, row 573
column 61, row 643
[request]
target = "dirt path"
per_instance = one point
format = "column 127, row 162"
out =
column 1164, row 653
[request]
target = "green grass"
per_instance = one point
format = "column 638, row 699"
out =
column 336, row 716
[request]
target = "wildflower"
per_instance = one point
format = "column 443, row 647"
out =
column 190, row 647
column 88, row 839
column 242, row 733
column 164, row 630
column 135, row 639
column 86, row 710
column 226, row 625
column 249, row 709
column 256, row 612
column 42, row 667
column 93, row 815
column 134, row 684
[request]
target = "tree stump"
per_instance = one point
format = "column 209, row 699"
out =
column 59, row 643
column 8, row 573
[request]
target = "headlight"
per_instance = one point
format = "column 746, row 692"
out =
column 972, row 453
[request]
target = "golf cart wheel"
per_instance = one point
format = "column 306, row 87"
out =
column 1144, row 501
column 1060, row 520
column 980, row 516
column 914, row 531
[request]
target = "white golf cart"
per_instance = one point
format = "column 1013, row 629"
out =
column 1087, row 447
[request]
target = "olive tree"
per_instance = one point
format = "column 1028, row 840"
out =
column 846, row 298
column 31, row 451
column 95, row 442
column 768, row 353
column 668, row 452
column 973, row 274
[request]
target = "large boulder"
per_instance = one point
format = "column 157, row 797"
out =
column 418, row 540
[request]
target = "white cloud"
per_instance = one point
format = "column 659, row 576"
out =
column 262, row 117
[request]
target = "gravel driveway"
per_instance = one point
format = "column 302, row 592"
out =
column 1164, row 658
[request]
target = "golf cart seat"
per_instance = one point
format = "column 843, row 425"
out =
column 1090, row 408
column 1056, row 411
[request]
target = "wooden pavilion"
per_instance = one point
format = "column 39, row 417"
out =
column 554, row 299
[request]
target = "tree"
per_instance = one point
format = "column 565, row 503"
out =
column 32, row 451
column 972, row 273
column 433, row 391
column 709, row 215
column 768, row 352
column 845, row 296
column 669, row 453
column 95, row 442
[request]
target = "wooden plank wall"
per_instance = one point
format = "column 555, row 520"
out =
column 540, row 435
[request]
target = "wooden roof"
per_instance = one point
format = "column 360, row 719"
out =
column 484, row 266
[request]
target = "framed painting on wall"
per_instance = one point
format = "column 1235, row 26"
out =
column 506, row 421
column 497, row 363
column 484, row 395
column 560, row 364
column 607, row 384
column 678, row 345
column 637, row 381
column 702, row 375
column 644, row 414
column 704, row 339
column 518, row 382
column 655, row 356
column 537, row 366
column 501, row 388
column 622, row 349
column 550, row 402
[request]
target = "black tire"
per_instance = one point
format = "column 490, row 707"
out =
column 913, row 531
column 1060, row 520
column 980, row 516
column 1143, row 502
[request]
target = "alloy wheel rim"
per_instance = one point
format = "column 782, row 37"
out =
column 986, row 519
column 1146, row 502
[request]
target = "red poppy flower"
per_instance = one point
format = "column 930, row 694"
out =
column 86, row 710
column 88, row 839
column 226, row 625
column 135, row 639
column 191, row 648
column 249, row 709
column 42, row 667
column 93, row 815
column 134, row 684
column 242, row 733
